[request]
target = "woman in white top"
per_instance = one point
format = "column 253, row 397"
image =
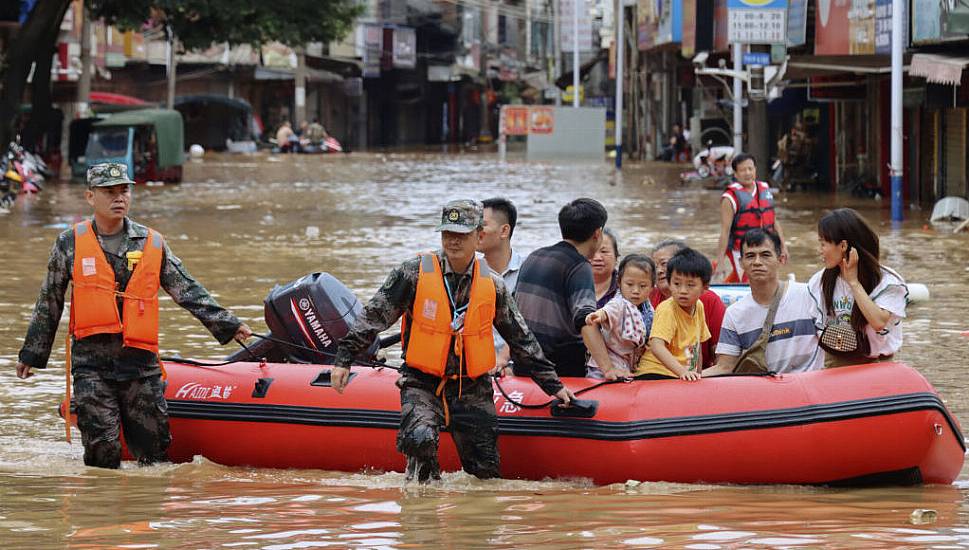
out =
column 855, row 289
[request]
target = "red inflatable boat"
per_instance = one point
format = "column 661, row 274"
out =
column 878, row 423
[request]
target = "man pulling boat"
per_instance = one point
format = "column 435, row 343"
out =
column 449, row 301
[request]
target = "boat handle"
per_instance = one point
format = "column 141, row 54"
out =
column 262, row 386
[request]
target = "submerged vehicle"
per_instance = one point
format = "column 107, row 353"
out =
column 218, row 122
column 149, row 141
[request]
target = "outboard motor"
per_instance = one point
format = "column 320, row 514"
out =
column 314, row 311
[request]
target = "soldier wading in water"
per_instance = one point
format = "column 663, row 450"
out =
column 449, row 301
column 116, row 267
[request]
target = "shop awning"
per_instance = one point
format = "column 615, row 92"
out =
column 312, row 75
column 803, row 66
column 939, row 68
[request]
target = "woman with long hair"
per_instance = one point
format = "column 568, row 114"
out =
column 854, row 290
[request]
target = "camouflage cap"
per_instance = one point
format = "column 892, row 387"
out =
column 461, row 216
column 108, row 174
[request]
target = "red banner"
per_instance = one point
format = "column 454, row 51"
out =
column 514, row 120
column 832, row 30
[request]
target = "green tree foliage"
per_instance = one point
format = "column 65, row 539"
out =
column 199, row 23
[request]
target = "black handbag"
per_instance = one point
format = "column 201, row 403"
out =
column 844, row 341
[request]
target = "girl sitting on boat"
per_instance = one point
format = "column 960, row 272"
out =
column 861, row 303
column 626, row 319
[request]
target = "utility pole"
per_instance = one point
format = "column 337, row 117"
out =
column 172, row 69
column 84, row 79
column 575, row 52
column 299, row 77
column 738, row 99
column 757, row 127
column 620, row 46
column 896, row 168
column 557, row 48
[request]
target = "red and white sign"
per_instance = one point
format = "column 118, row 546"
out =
column 514, row 120
column 541, row 120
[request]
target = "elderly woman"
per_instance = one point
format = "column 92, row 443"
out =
column 604, row 268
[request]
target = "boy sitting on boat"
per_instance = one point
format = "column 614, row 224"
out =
column 679, row 327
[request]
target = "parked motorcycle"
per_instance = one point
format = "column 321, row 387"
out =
column 30, row 167
column 711, row 163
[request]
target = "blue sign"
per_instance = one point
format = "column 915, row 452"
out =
column 797, row 23
column 757, row 58
column 883, row 26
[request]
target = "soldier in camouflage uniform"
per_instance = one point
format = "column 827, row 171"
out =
column 117, row 386
column 469, row 402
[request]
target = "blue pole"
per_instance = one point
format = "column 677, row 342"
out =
column 897, row 211
column 896, row 167
column 618, row 156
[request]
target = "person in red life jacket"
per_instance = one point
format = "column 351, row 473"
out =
column 449, row 301
column 713, row 308
column 116, row 267
column 745, row 204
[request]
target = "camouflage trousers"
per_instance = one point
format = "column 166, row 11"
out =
column 137, row 407
column 473, row 425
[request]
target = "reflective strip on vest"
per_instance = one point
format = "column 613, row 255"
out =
column 431, row 335
column 94, row 308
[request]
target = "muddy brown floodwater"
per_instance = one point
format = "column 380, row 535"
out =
column 243, row 224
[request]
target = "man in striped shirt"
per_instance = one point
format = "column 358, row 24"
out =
column 793, row 343
column 556, row 292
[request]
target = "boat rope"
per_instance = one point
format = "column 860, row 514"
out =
column 375, row 365
column 252, row 355
column 509, row 399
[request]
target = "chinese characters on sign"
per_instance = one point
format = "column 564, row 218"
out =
column 566, row 25
column 514, row 120
column 521, row 120
column 883, row 26
column 542, row 120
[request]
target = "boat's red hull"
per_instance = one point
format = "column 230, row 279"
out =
column 820, row 427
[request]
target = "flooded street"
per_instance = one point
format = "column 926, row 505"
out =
column 244, row 224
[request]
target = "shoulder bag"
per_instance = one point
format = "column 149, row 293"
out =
column 753, row 360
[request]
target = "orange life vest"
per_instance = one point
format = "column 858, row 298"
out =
column 430, row 323
column 94, row 307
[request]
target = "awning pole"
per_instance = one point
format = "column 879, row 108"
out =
column 895, row 169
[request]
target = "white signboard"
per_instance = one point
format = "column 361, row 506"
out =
column 757, row 21
column 567, row 25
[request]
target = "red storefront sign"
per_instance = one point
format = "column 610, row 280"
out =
column 514, row 120
column 832, row 29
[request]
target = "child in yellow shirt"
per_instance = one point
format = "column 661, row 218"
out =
column 679, row 326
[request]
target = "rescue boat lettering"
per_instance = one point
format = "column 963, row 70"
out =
column 195, row 390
